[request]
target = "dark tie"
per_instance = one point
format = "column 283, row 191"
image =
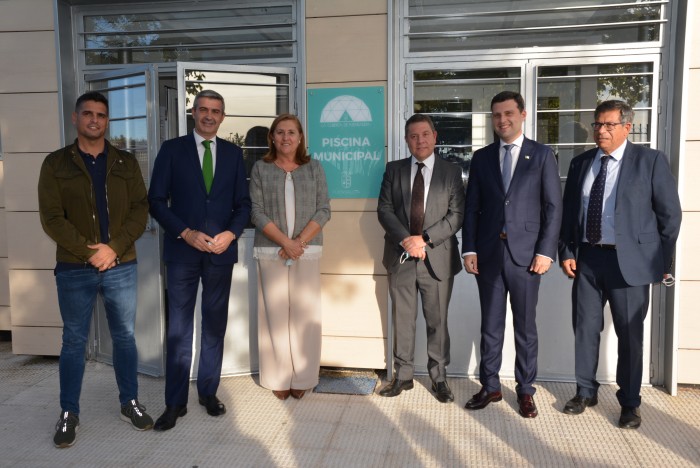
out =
column 507, row 172
column 417, row 196
column 595, row 203
column 207, row 165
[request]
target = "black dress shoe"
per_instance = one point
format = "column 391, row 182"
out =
column 630, row 418
column 578, row 404
column 526, row 406
column 213, row 405
column 168, row 418
column 443, row 392
column 396, row 387
column 482, row 399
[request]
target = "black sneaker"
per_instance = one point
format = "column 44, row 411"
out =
column 66, row 427
column 135, row 413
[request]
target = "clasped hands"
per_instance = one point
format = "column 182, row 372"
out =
column 205, row 243
column 104, row 259
column 415, row 246
column 292, row 249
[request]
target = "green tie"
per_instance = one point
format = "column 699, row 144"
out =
column 207, row 166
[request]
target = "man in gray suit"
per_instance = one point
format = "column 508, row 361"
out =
column 621, row 220
column 421, row 207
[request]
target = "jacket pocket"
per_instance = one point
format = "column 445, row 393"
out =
column 532, row 227
column 647, row 237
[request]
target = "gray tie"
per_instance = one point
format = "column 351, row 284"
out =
column 507, row 172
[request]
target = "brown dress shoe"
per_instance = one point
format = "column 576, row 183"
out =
column 527, row 407
column 281, row 394
column 298, row 394
column 482, row 399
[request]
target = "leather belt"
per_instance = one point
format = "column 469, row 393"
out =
column 601, row 246
column 503, row 236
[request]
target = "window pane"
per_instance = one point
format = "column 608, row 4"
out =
column 459, row 102
column 204, row 34
column 450, row 25
column 568, row 94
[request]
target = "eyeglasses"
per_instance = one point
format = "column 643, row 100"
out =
column 608, row 125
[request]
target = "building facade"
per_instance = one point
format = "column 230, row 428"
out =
column 442, row 57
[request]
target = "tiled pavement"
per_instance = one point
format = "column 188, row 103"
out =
column 322, row 430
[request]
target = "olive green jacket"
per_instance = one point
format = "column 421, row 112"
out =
column 67, row 204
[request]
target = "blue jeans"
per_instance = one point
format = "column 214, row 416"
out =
column 77, row 293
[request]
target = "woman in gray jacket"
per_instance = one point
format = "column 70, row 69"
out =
column 290, row 206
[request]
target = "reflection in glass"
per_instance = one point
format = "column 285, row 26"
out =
column 568, row 94
column 459, row 102
column 546, row 38
column 131, row 135
column 231, row 33
column 452, row 25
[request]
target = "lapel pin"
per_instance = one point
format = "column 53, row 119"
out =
column 527, row 156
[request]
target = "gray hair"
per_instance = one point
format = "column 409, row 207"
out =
column 626, row 112
column 211, row 94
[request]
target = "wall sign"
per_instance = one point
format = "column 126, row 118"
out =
column 346, row 134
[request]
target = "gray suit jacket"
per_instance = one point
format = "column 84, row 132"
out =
column 647, row 213
column 444, row 212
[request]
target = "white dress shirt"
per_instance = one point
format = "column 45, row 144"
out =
column 200, row 150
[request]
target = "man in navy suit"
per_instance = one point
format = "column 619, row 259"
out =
column 509, row 239
column 618, row 236
column 199, row 195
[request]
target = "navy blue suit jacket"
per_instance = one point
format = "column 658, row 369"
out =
column 531, row 210
column 647, row 213
column 179, row 200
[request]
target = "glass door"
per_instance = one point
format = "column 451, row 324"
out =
column 560, row 96
column 134, row 127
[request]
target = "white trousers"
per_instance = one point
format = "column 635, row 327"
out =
column 289, row 323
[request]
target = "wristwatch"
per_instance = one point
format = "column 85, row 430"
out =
column 426, row 238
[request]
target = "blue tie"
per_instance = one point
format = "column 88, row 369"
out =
column 594, row 216
column 507, row 172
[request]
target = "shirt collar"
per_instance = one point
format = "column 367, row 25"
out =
column 88, row 155
column 517, row 142
column 617, row 154
column 429, row 161
column 199, row 139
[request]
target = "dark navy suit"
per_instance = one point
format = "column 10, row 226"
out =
column 178, row 201
column 646, row 223
column 531, row 213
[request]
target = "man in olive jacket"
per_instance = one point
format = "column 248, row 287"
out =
column 93, row 204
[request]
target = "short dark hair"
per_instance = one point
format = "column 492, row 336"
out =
column 92, row 96
column 504, row 96
column 211, row 94
column 626, row 112
column 415, row 118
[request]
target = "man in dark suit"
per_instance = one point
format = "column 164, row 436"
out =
column 199, row 195
column 618, row 235
column 420, row 207
column 509, row 239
